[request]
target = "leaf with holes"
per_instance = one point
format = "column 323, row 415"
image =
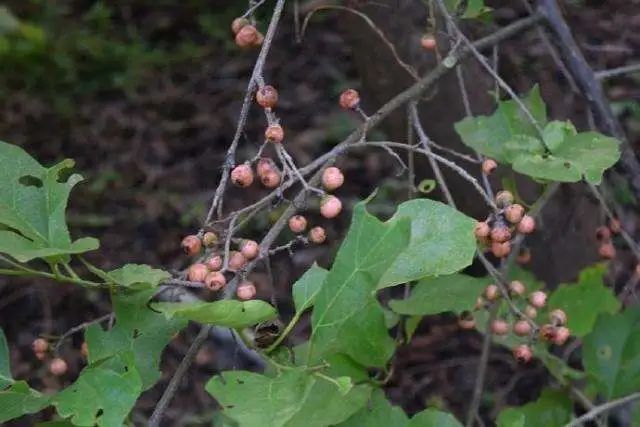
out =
column 18, row 400
column 346, row 316
column 229, row 313
column 611, row 353
column 585, row 300
column 33, row 201
column 307, row 287
column 292, row 398
column 442, row 242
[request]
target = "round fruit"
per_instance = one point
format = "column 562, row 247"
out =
column 499, row 327
column 492, row 292
column 274, row 133
column 428, row 42
column 607, row 250
column 516, row 287
column 270, row 179
column 466, row 321
column 267, row 96
column 522, row 353
column 514, row 213
column 603, row 233
column 531, row 312
column 191, row 245
column 250, row 249
column 330, row 207
column 197, row 272
column 39, row 345
column 526, row 225
column 488, row 166
column 524, row 257
column 58, row 367
column 482, row 229
column 297, row 223
column 265, row 165
column 349, row 99
column 538, row 299
column 214, row 263
column 247, row 37
column 317, row 235
column 561, row 336
column 548, row 332
column 522, row 328
column 558, row 317
column 242, row 175
column 332, row 178
column 238, row 24
column 504, row 199
column 501, row 250
column 209, row 239
column 215, row 281
column 236, row 261
column 500, row 233
column 246, row 291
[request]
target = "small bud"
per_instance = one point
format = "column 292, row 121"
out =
column 504, row 199
column 492, row 292
column 297, row 223
column 39, row 345
column 500, row 233
column 270, row 179
column 524, row 256
column 516, row 287
column 514, row 213
column 522, row 353
column 197, row 272
column 499, row 327
column 500, row 250
column 317, row 235
column 538, row 299
column 238, row 24
column 531, row 312
column 215, row 281
column 267, row 96
column 349, row 99
column 330, row 207
column 250, row 249
column 482, row 229
column 522, row 328
column 214, row 262
column 247, row 37
column 58, row 367
column 488, row 166
column 209, row 239
column 603, row 233
column 561, row 336
column 332, row 178
column 191, row 245
column 246, row 291
column 526, row 225
column 428, row 42
column 607, row 250
column 242, row 175
column 558, row 317
column 274, row 133
column 236, row 261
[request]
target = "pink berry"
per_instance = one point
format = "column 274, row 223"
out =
column 603, row 233
column 264, row 165
column 317, row 235
column 500, row 250
column 516, row 287
column 238, row 24
column 39, row 345
column 332, row 178
column 492, row 292
column 482, row 229
column 242, row 175
column 214, row 263
column 250, row 249
column 607, row 250
column 561, row 336
column 500, row 233
column 538, row 299
column 274, row 133
column 40, row 355
column 247, row 37
column 526, row 225
column 428, row 42
column 488, row 166
column 522, row 353
column 349, row 99
column 531, row 312
column 209, row 239
column 215, row 281
column 330, row 207
column 504, row 198
column 191, row 245
column 297, row 223
column 236, row 261
column 197, row 272
column 514, row 213
column 499, row 327
column 270, row 179
column 58, row 367
column 548, row 332
column 558, row 317
column 246, row 291
column 522, row 328
column 267, row 96
column 524, row 256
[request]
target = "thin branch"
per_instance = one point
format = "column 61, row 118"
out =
column 605, row 407
column 615, row 72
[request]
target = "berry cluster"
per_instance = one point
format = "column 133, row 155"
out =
column 247, row 35
column 57, row 365
column 497, row 230
column 523, row 324
column 604, row 233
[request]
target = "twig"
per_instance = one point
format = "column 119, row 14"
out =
column 603, row 408
column 79, row 328
column 615, row 72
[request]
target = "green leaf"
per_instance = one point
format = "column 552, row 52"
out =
column 433, row 418
column 347, row 317
column 553, row 408
column 291, row 399
column 33, row 201
column 585, row 300
column 5, row 362
column 103, row 394
column 229, row 313
column 442, row 242
column 132, row 274
column 378, row 413
column 410, row 326
column 307, row 287
column 139, row 330
column 19, row 400
column 456, row 292
column 611, row 353
column 489, row 135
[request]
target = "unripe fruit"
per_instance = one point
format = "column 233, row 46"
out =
column 267, row 96
column 561, row 336
column 209, row 239
column 522, row 353
column 317, row 235
column 197, row 272
column 516, row 287
column 238, row 24
column 215, row 281
column 270, row 179
column 500, row 233
column 466, row 321
column 522, row 328
column 242, row 175
column 488, row 166
column 501, row 250
column 615, row 226
column 538, row 299
column 265, row 165
column 297, row 223
column 607, row 250
column 603, row 233
column 526, row 225
column 214, row 263
column 428, row 42
column 250, row 249
column 274, row 133
column 547, row 332
column 247, row 37
column 504, row 198
column 332, row 178
column 349, row 99
column 514, row 213
column 246, row 291
column 84, row 350
column 191, row 245
column 558, row 317
column 492, row 292
column 330, row 207
column 482, row 229
column 531, row 312
column 524, row 257
column 39, row 345
column 499, row 327
column 236, row 261
column 58, row 367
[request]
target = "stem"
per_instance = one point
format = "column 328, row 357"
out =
column 603, row 408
